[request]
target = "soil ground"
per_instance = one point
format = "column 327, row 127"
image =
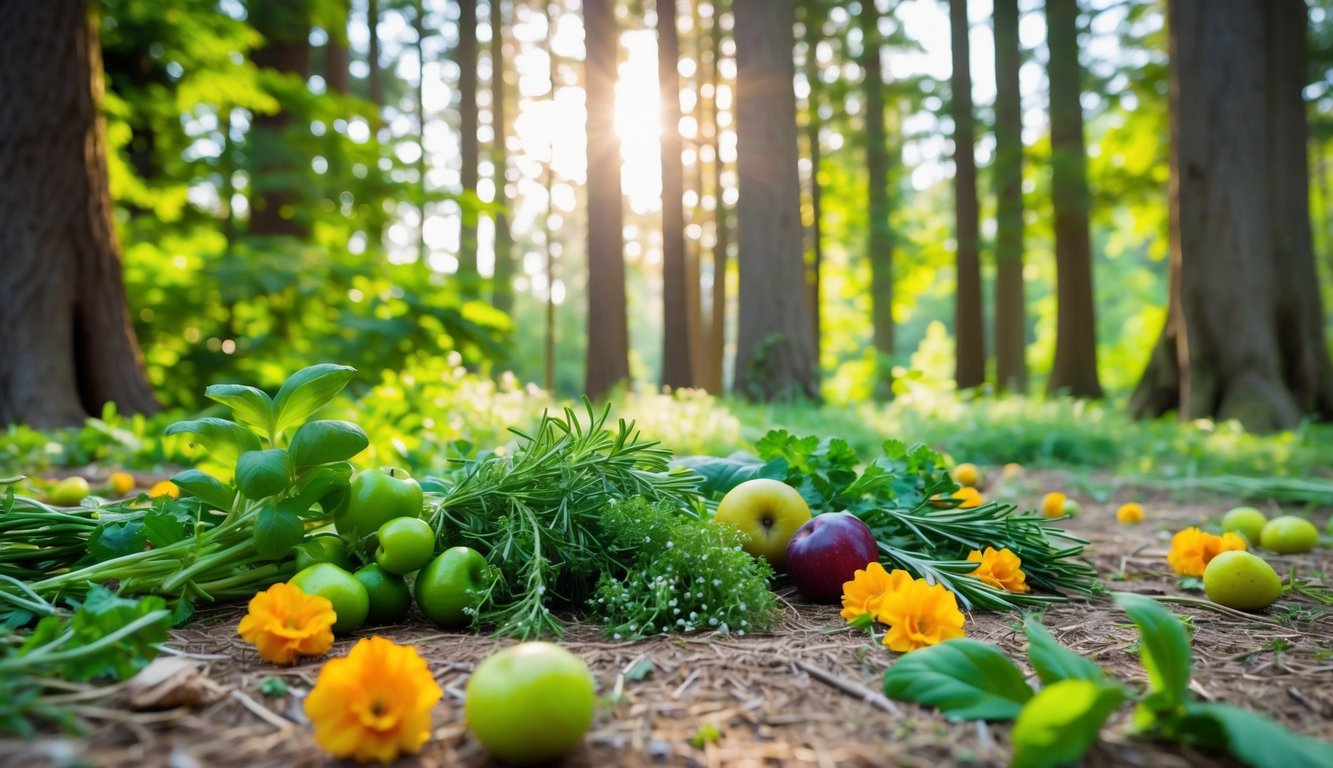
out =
column 806, row 694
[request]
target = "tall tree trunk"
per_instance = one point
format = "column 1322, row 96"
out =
column 717, row 319
column 814, row 19
column 374, row 77
column 1246, row 321
column 1074, row 370
column 775, row 351
column 1011, row 371
column 970, row 348
column 880, row 242
column 503, row 282
column 677, row 342
column 608, row 327
column 337, row 75
column 67, row 346
column 275, row 206
column 467, row 145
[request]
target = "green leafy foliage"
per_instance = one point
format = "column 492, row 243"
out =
column 1053, row 662
column 260, row 474
column 1059, row 724
column 1164, row 647
column 965, row 679
column 1255, row 740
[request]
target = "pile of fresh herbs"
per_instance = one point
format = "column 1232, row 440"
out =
column 904, row 495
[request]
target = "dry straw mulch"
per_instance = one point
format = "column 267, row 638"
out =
column 806, row 694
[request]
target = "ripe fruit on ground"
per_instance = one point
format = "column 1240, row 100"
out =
column 1289, row 535
column 69, row 492
column 769, row 512
column 826, row 552
column 451, row 587
column 1071, row 507
column 1239, row 579
column 406, row 544
column 390, row 599
column 967, row 475
column 530, row 703
column 350, row 600
column 1247, row 521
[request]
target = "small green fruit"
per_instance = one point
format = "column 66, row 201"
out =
column 1247, row 521
column 351, row 601
column 1072, row 507
column 70, row 491
column 1241, row 580
column 1289, row 535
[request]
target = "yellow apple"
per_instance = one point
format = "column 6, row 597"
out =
column 769, row 512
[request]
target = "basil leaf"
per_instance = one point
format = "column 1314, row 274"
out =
column 276, row 532
column 206, row 488
column 1164, row 647
column 263, row 473
column 224, row 440
column 305, row 392
column 1059, row 724
column 964, row 679
column 249, row 406
column 1054, row 662
column 1254, row 739
column 321, row 442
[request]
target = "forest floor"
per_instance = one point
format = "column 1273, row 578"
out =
column 807, row 693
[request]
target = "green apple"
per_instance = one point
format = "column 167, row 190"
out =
column 452, row 586
column 530, row 703
column 1247, row 521
column 769, row 512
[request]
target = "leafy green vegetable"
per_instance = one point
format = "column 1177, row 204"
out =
column 1059, row 724
column 1164, row 648
column 1054, row 662
column 964, row 679
column 1252, row 738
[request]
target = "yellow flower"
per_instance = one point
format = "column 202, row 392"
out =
column 1192, row 549
column 867, row 589
column 1130, row 513
column 120, row 483
column 1002, row 569
column 971, row 497
column 967, row 475
column 285, row 622
column 1053, row 504
column 374, row 703
column 164, row 488
column 918, row 615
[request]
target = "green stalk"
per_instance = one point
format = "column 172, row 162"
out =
column 18, row 663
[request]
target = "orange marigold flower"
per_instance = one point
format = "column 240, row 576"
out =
column 164, row 488
column 919, row 615
column 374, row 703
column 120, row 483
column 1129, row 513
column 1053, row 504
column 1002, row 569
column 1192, row 549
column 285, row 622
column 971, row 497
column 864, row 593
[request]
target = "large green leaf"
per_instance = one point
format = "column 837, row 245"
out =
column 248, row 405
column 321, row 442
column 722, row 474
column 306, row 391
column 224, row 440
column 204, row 486
column 1254, row 739
column 263, row 473
column 1164, row 647
column 1054, row 662
column 964, row 679
column 276, row 532
column 1059, row 724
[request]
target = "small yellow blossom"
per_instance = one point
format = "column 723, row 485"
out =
column 1002, row 569
column 1192, row 549
column 867, row 588
column 967, row 475
column 918, row 615
column 374, row 703
column 164, row 488
column 971, row 497
column 120, row 483
column 1011, row 471
column 1130, row 513
column 1053, row 504
column 284, row 623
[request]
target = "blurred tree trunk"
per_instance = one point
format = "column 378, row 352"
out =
column 548, row 232
column 677, row 341
column 67, row 346
column 503, row 282
column 775, row 353
column 337, row 74
column 717, row 319
column 419, row 27
column 880, row 243
column 969, row 334
column 374, row 78
column 467, row 146
column 1011, row 371
column 1244, row 337
column 608, row 327
column 814, row 16
column 274, row 201
column 1074, row 370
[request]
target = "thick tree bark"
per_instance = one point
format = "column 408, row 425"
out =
column 608, row 326
column 337, row 74
column 717, row 319
column 775, row 351
column 1011, row 372
column 503, row 282
column 375, row 77
column 66, row 343
column 677, row 341
column 880, row 244
column 1074, row 370
column 970, row 349
column 467, row 143
column 274, row 202
column 814, row 19
column 1245, row 323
